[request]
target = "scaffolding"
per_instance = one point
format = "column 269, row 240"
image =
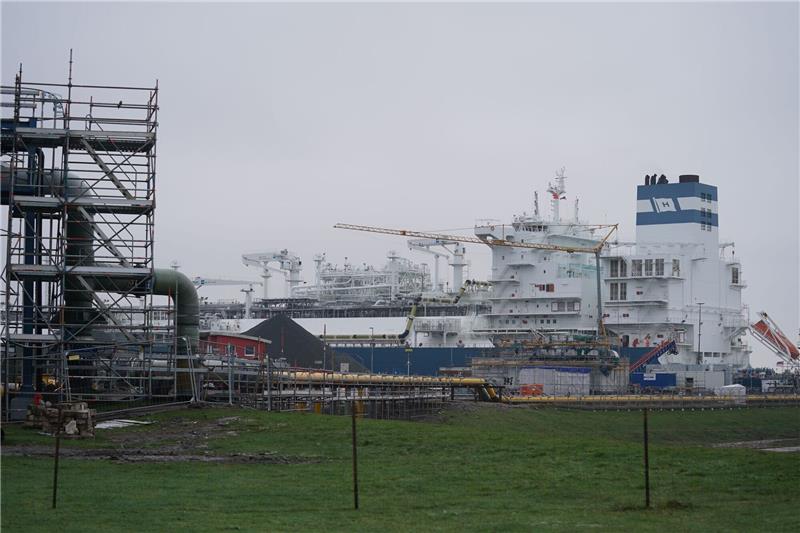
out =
column 79, row 169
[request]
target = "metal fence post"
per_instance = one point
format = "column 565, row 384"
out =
column 646, row 462
column 57, row 454
column 230, row 375
column 355, row 455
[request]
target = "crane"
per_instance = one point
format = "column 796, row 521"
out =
column 248, row 292
column 457, row 261
column 489, row 240
column 288, row 263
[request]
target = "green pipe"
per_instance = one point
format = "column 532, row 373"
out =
column 176, row 285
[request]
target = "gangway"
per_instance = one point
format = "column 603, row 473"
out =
column 666, row 346
column 771, row 336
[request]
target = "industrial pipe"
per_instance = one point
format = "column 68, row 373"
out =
column 178, row 286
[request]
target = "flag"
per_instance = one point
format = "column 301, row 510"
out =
column 664, row 205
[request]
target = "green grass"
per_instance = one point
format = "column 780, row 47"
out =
column 491, row 469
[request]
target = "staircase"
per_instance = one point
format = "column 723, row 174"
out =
column 666, row 346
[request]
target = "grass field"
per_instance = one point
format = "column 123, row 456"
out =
column 473, row 468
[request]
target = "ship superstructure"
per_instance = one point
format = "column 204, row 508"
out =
column 677, row 281
column 542, row 290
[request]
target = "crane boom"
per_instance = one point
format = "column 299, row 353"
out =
column 478, row 240
column 595, row 250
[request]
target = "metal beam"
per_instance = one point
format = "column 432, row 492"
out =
column 106, row 169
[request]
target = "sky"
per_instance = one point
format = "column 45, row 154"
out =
column 279, row 120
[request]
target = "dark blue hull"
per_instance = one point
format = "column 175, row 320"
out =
column 428, row 361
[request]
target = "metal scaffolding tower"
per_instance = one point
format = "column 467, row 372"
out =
column 78, row 180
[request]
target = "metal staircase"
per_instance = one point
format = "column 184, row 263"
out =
column 668, row 346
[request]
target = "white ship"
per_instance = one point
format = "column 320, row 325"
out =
column 677, row 281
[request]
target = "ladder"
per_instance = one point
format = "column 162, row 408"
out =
column 667, row 346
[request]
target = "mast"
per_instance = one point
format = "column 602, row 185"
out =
column 558, row 192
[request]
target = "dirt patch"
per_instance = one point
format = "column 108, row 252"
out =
column 177, row 440
column 156, row 456
column 450, row 409
column 767, row 445
column 675, row 504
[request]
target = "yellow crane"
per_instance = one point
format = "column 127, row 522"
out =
column 596, row 249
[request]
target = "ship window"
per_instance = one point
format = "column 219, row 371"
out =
column 615, row 291
column 249, row 350
column 614, row 268
column 735, row 275
column 623, row 268
column 659, row 267
column 551, row 287
column 625, row 315
column 648, row 267
column 676, row 267
column 636, row 267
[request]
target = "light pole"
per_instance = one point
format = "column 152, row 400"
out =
column 699, row 330
column 372, row 349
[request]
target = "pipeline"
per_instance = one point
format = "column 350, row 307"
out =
column 383, row 336
column 409, row 320
column 482, row 388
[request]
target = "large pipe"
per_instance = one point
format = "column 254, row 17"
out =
column 178, row 286
column 79, row 231
column 80, row 242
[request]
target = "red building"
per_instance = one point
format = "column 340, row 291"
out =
column 223, row 343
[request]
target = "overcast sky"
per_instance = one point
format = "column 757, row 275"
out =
column 278, row 121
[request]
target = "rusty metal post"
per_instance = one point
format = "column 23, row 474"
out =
column 57, row 454
column 646, row 462
column 355, row 457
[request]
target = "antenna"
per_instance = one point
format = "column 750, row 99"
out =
column 536, row 204
column 558, row 192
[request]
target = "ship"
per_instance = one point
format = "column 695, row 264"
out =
column 672, row 297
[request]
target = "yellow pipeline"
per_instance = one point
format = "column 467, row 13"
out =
column 310, row 376
column 648, row 398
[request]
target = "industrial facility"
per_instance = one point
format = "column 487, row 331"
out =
column 87, row 316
